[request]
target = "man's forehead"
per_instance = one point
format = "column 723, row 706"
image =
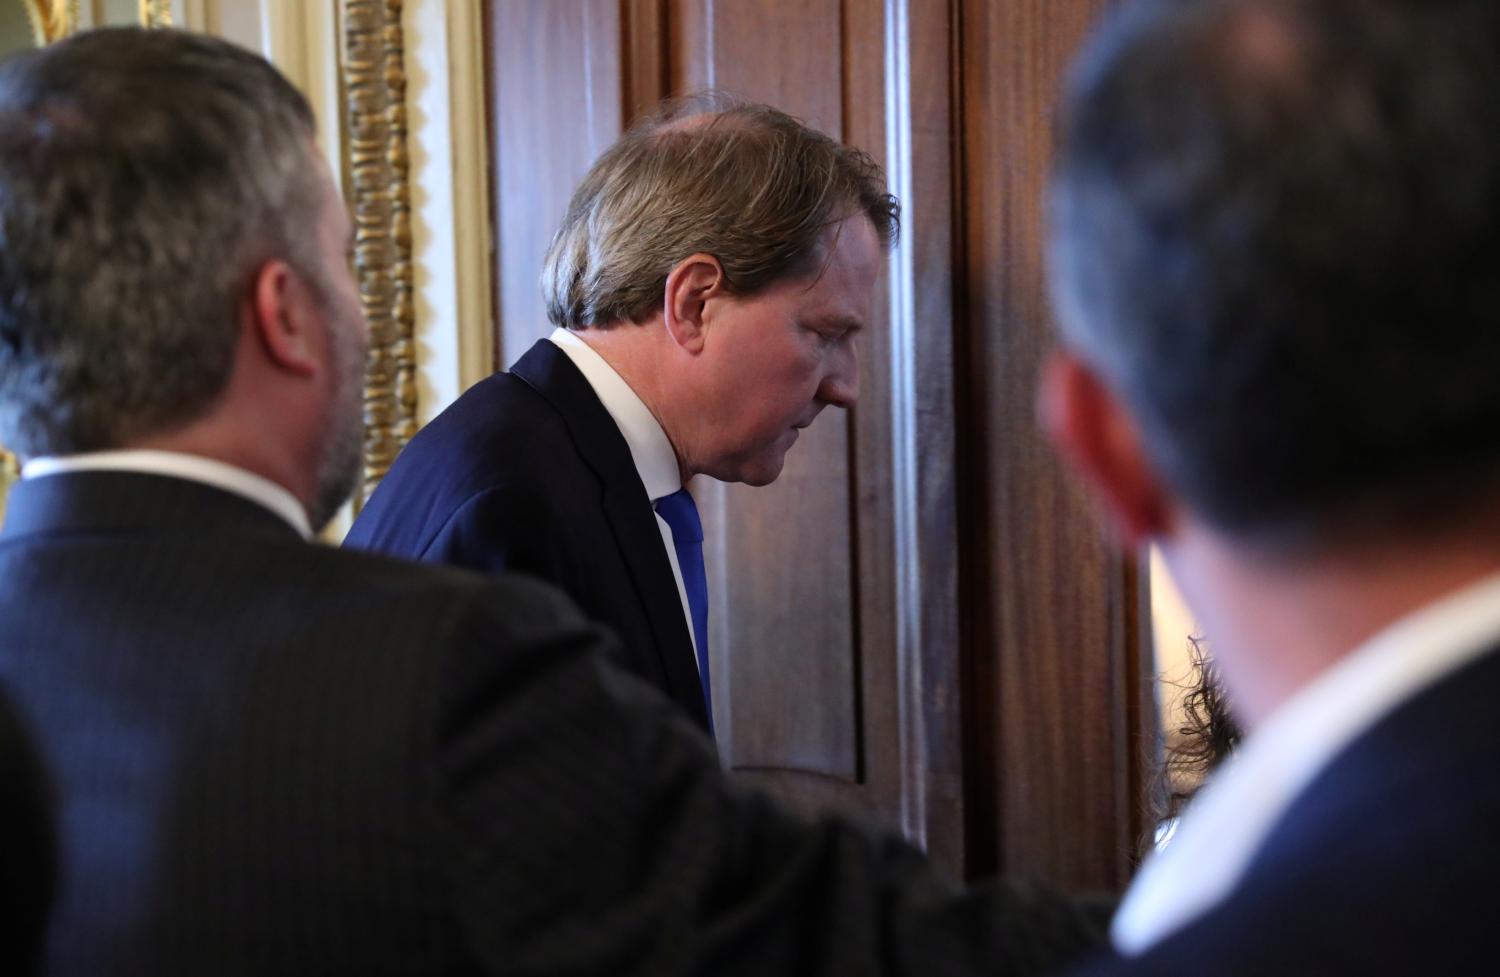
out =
column 849, row 253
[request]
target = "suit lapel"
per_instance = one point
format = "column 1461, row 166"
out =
column 548, row 371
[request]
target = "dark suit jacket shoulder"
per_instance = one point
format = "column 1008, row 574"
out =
column 27, row 847
column 1385, row 864
column 269, row 757
column 527, row 471
column 247, row 735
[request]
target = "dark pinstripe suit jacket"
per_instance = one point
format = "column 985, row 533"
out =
column 26, row 849
column 276, row 758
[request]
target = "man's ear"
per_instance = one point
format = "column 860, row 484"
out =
column 690, row 284
column 1099, row 439
column 283, row 313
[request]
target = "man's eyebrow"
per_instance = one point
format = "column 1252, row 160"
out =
column 842, row 323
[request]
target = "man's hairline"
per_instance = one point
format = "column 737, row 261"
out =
column 812, row 277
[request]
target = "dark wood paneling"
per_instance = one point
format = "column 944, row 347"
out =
column 555, row 91
column 899, row 107
column 1054, row 638
column 646, row 27
column 787, row 53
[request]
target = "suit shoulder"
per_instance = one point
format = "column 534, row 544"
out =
column 500, row 408
column 397, row 583
column 500, row 432
column 499, row 445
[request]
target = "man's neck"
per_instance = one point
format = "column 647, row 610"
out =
column 1274, row 624
column 234, row 445
column 637, row 354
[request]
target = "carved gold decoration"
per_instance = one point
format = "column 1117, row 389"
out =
column 51, row 20
column 156, row 13
column 10, row 470
column 378, row 184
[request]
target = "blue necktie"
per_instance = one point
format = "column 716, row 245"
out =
column 681, row 514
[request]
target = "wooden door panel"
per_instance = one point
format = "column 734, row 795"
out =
column 555, row 96
column 783, row 52
column 785, row 632
column 1055, row 629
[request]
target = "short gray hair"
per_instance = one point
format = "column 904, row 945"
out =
column 1274, row 233
column 746, row 183
column 144, row 175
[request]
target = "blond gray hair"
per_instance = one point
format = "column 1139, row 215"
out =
column 709, row 174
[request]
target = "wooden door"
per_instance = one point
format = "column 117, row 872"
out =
column 1058, row 672
column 917, row 621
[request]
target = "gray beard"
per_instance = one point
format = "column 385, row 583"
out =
column 339, row 470
column 343, row 452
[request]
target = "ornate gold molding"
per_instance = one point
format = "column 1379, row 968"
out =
column 10, row 470
column 377, row 181
column 51, row 20
column 156, row 13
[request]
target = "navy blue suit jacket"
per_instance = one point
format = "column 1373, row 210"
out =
column 527, row 471
column 1386, row 864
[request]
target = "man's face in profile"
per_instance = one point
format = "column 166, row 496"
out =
column 780, row 356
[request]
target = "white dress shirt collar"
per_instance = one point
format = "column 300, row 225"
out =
column 262, row 491
column 1233, row 815
column 649, row 448
column 655, row 461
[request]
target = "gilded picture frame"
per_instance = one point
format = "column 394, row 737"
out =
column 156, row 13
column 377, row 185
column 52, row 20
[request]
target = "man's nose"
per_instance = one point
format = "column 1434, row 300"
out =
column 840, row 386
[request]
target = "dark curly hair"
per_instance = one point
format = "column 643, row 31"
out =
column 1207, row 735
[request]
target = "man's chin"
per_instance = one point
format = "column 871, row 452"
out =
column 760, row 471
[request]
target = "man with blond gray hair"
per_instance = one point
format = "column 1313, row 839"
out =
column 708, row 284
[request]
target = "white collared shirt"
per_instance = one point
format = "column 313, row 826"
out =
column 193, row 468
column 1234, row 813
column 654, row 458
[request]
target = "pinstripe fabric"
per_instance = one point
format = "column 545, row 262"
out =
column 276, row 758
column 26, row 847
